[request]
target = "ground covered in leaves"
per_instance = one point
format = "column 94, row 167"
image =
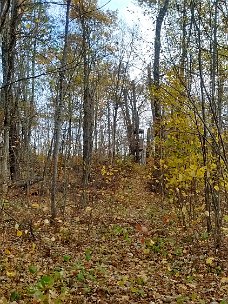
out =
column 126, row 246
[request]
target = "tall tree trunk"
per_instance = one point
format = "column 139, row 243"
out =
column 216, row 195
column 10, row 21
column 157, row 105
column 58, row 116
column 135, row 119
column 4, row 10
column 204, row 136
column 88, row 108
column 129, row 125
column 109, row 130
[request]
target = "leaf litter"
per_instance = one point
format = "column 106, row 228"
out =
column 127, row 246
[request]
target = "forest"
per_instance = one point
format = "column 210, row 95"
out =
column 113, row 152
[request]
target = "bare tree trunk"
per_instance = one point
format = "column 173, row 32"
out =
column 4, row 10
column 156, row 100
column 216, row 118
column 211, row 141
column 129, row 125
column 58, row 116
column 135, row 118
column 88, row 109
column 204, row 136
column 10, row 19
column 109, row 131
column 115, row 112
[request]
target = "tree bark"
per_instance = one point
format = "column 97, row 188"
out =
column 10, row 21
column 156, row 100
column 58, row 116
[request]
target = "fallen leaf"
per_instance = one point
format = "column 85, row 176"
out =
column 19, row 233
column 35, row 206
column 11, row 274
column 209, row 261
column 224, row 280
column 88, row 209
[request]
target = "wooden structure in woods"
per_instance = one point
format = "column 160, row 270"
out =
column 139, row 146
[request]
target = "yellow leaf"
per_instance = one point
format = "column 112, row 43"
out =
column 180, row 177
column 225, row 230
column 103, row 171
column 169, row 268
column 35, row 206
column 11, row 273
column 192, row 173
column 133, row 289
column 19, row 233
column 161, row 161
column 146, row 251
column 88, row 209
column 209, row 261
column 224, row 280
column 151, row 242
column 225, row 218
column 184, row 210
column 33, row 246
column 7, row 251
column 216, row 187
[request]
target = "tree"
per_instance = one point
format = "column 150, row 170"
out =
column 155, row 93
column 89, row 19
column 58, row 113
column 11, row 16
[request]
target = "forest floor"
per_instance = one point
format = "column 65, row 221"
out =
column 126, row 246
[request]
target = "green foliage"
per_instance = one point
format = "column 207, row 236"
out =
column 117, row 230
column 33, row 269
column 47, row 287
column 157, row 245
column 88, row 254
column 15, row 296
column 45, row 282
column 182, row 299
column 66, row 258
column 134, row 284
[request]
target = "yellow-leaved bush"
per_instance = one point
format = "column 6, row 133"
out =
column 183, row 166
